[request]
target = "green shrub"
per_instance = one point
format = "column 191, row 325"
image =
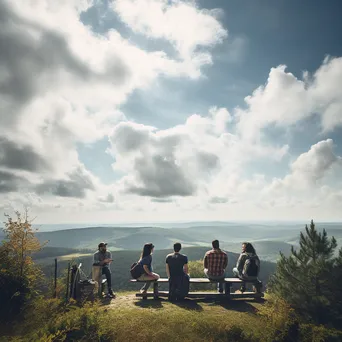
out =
column 13, row 295
column 196, row 270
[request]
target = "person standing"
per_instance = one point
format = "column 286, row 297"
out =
column 215, row 263
column 103, row 258
column 178, row 273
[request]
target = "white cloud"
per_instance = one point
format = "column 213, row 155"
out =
column 61, row 85
column 182, row 23
column 185, row 160
column 286, row 100
column 309, row 169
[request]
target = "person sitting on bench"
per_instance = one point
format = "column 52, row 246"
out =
column 248, row 265
column 215, row 263
column 177, row 272
column 103, row 258
column 146, row 262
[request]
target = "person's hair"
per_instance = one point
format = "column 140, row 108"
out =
column 177, row 247
column 249, row 248
column 147, row 250
column 216, row 244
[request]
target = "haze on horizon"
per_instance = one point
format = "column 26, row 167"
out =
column 163, row 111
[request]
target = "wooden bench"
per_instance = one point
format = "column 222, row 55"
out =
column 225, row 295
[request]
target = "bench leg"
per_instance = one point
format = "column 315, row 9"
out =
column 155, row 290
column 227, row 290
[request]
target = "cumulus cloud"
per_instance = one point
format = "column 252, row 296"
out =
column 286, row 100
column 61, row 85
column 10, row 182
column 309, row 168
column 22, row 157
column 75, row 184
column 183, row 160
column 182, row 23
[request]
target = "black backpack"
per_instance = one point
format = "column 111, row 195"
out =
column 137, row 270
column 250, row 268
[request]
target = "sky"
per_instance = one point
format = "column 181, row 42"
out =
column 170, row 110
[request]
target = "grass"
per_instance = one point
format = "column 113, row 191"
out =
column 127, row 318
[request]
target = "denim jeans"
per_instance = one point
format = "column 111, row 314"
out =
column 107, row 273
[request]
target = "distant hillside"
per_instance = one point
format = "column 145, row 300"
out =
column 134, row 238
column 123, row 238
column 268, row 240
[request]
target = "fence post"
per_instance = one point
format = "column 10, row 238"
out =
column 55, row 287
column 67, row 284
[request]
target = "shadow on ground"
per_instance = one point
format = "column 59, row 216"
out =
column 149, row 303
column 188, row 304
column 106, row 301
column 241, row 305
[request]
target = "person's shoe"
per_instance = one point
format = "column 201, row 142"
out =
column 220, row 291
column 111, row 294
column 143, row 291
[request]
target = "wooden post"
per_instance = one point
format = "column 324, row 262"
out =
column 72, row 282
column 155, row 290
column 97, row 276
column 67, row 284
column 55, row 284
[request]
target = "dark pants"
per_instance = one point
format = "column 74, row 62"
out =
column 107, row 273
column 214, row 277
column 178, row 287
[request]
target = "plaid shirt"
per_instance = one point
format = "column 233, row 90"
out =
column 215, row 261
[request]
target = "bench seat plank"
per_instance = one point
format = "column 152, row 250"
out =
column 193, row 280
column 205, row 294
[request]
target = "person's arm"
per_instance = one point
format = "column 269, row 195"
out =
column 109, row 259
column 258, row 266
column 185, row 266
column 168, row 270
column 146, row 269
column 96, row 258
column 205, row 261
column 240, row 263
column 225, row 264
column 167, row 266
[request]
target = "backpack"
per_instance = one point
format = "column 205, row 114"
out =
column 136, row 270
column 250, row 268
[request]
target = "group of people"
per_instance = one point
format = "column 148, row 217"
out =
column 215, row 264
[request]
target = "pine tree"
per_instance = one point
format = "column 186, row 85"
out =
column 304, row 278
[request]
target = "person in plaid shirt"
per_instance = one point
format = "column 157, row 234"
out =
column 215, row 263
